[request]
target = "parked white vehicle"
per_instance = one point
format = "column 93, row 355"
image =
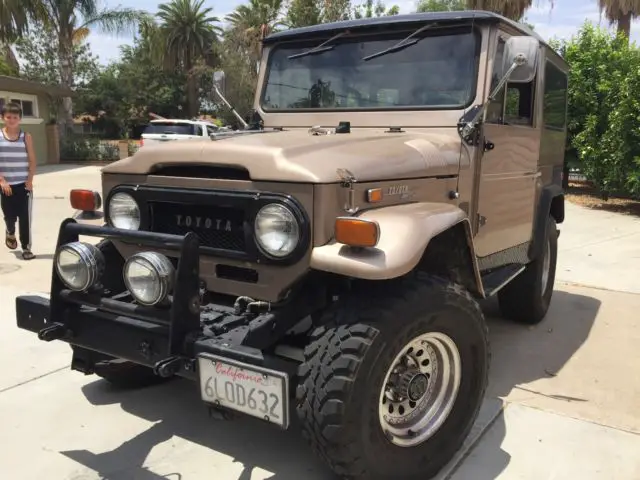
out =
column 166, row 129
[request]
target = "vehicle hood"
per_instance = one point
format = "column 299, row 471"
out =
column 298, row 156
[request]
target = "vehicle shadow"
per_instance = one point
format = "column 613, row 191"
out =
column 521, row 355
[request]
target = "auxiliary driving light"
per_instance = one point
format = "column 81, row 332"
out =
column 79, row 265
column 149, row 277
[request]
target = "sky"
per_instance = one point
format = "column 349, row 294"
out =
column 561, row 21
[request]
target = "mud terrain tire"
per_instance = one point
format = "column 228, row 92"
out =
column 525, row 299
column 346, row 362
column 127, row 375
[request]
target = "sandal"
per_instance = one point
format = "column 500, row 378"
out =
column 27, row 255
column 11, row 242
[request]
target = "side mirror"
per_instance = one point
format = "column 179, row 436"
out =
column 524, row 52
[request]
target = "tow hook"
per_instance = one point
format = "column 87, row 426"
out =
column 52, row 332
column 168, row 367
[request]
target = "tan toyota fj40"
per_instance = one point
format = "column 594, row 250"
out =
column 331, row 256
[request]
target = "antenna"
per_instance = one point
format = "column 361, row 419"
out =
column 464, row 115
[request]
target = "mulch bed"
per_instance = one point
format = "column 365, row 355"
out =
column 587, row 196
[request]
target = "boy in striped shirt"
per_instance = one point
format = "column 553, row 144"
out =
column 17, row 166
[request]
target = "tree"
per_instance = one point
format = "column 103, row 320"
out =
column 441, row 5
column 241, row 76
column 15, row 16
column 604, row 111
column 124, row 93
column 302, row 13
column 71, row 20
column 620, row 12
column 370, row 9
column 188, row 33
column 252, row 22
column 41, row 63
column 513, row 9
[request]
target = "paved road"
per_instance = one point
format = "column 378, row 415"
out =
column 562, row 403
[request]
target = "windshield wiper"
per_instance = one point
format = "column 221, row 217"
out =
column 320, row 48
column 404, row 43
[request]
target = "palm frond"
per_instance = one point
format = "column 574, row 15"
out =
column 80, row 35
column 614, row 10
column 115, row 21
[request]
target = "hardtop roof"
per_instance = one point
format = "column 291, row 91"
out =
column 479, row 16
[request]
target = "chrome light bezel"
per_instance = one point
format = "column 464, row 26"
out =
column 293, row 217
column 89, row 256
column 123, row 195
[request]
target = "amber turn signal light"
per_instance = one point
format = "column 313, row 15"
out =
column 357, row 232
column 374, row 195
column 85, row 200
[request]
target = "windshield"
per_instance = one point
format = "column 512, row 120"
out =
column 439, row 71
column 178, row 128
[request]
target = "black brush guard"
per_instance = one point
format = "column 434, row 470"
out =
column 168, row 340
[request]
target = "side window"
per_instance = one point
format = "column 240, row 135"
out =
column 514, row 104
column 197, row 130
column 555, row 97
column 519, row 104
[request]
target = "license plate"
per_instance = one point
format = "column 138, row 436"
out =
column 249, row 389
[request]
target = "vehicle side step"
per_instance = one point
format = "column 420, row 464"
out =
column 496, row 279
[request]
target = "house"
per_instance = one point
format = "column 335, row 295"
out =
column 35, row 99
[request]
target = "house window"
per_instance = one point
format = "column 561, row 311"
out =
column 28, row 103
column 27, row 107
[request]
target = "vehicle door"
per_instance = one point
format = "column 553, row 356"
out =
column 508, row 174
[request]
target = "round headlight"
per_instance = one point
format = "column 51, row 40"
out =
column 277, row 230
column 149, row 277
column 79, row 265
column 124, row 212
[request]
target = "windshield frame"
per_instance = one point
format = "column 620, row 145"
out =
column 393, row 34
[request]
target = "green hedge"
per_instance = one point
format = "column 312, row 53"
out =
column 86, row 148
column 604, row 109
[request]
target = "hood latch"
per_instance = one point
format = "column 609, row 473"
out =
column 347, row 181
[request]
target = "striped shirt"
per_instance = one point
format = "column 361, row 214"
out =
column 14, row 161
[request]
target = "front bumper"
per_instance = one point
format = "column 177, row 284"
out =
column 167, row 340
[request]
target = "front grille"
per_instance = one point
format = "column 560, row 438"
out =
column 216, row 227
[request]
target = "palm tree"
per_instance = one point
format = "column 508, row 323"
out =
column 513, row 9
column 15, row 16
column 255, row 20
column 620, row 12
column 72, row 20
column 188, row 34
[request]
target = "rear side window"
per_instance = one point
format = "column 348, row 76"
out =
column 555, row 97
column 170, row 128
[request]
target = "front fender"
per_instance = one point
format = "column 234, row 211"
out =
column 405, row 232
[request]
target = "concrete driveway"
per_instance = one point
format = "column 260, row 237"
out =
column 563, row 400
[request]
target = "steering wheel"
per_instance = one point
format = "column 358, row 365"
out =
column 433, row 97
column 356, row 93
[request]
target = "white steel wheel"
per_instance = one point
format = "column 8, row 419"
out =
column 420, row 389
